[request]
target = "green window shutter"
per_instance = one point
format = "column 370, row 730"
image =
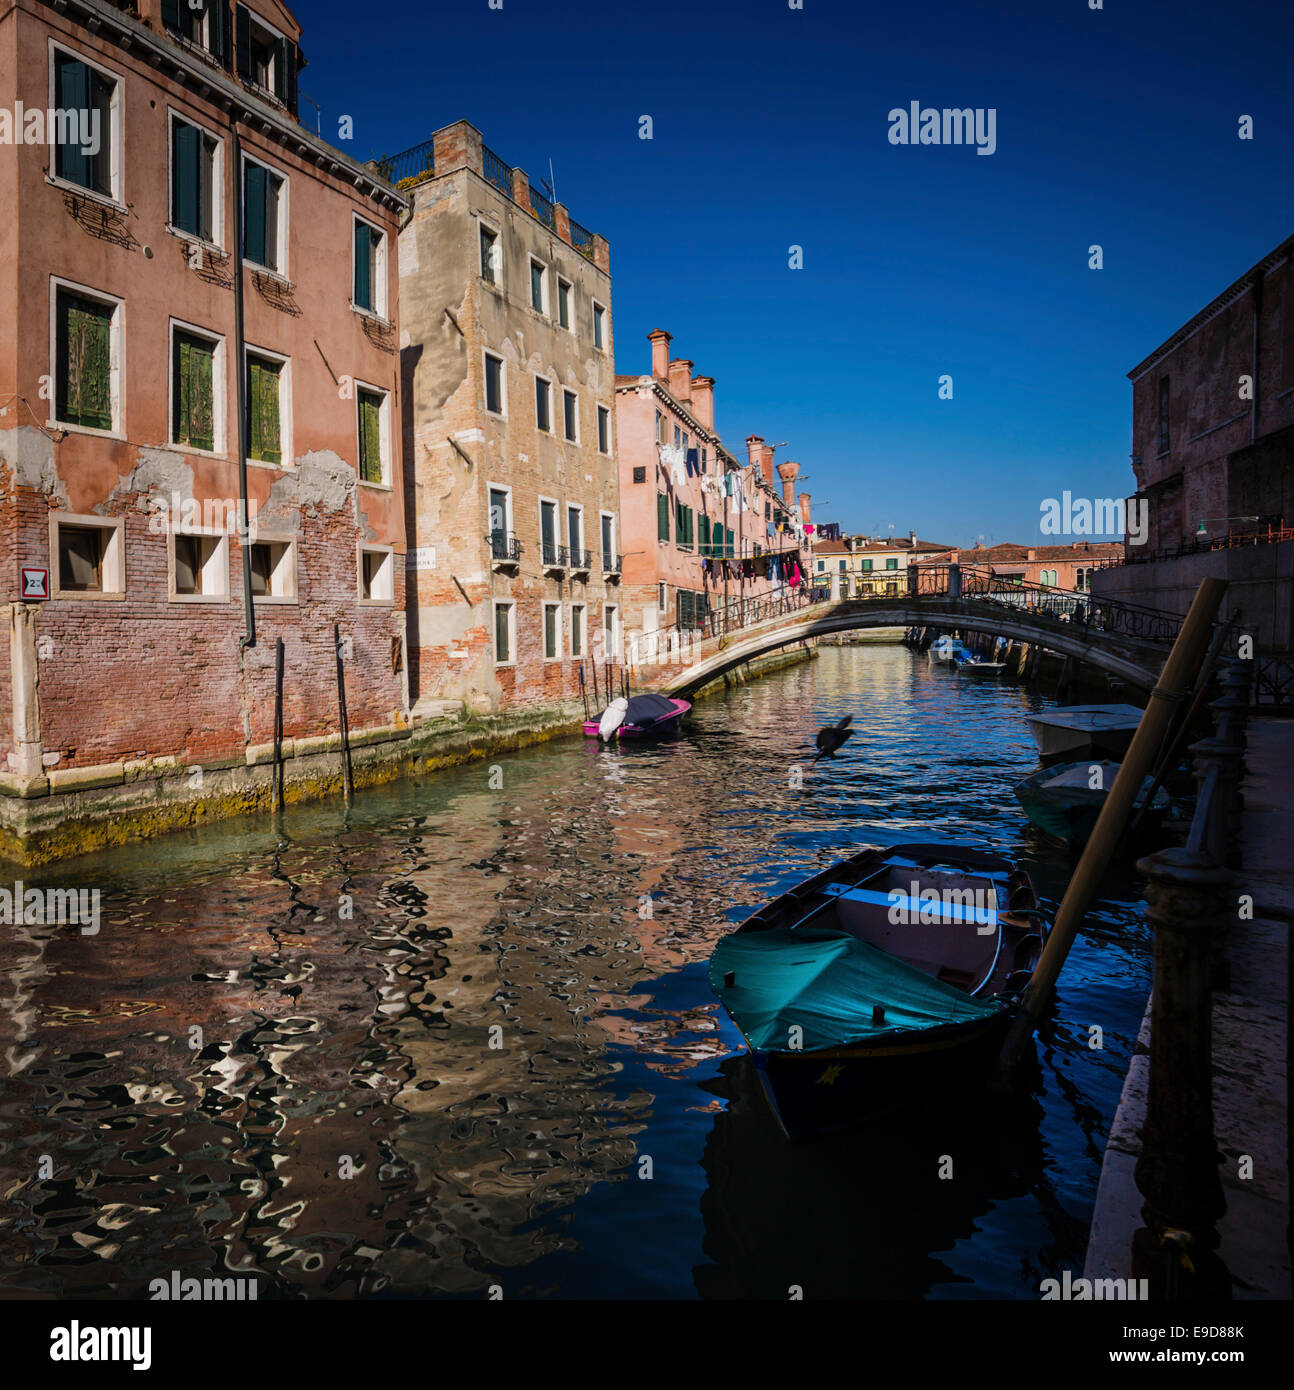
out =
column 171, row 14
column 363, row 265
column 662, row 517
column 370, row 438
column 186, row 178
column 255, row 197
column 263, row 439
column 194, row 392
column 684, row 608
column 72, row 93
column 705, row 534
column 85, row 360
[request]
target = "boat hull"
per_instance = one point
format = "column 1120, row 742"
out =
column 816, row 1094
column 644, row 731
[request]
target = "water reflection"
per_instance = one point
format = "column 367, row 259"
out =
column 457, row 1037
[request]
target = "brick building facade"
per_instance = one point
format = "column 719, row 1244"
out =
column 509, row 430
column 125, row 395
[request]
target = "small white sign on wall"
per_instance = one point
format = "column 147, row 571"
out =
column 422, row 557
column 35, row 583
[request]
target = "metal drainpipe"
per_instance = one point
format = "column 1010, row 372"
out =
column 240, row 392
column 1258, row 309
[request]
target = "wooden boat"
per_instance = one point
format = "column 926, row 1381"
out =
column 975, row 665
column 646, row 716
column 1062, row 802
column 943, row 650
column 884, row 975
column 1080, row 731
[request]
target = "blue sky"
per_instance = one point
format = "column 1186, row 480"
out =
column 1115, row 127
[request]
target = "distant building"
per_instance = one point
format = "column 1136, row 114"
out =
column 1213, row 456
column 509, row 431
column 701, row 529
column 868, row 566
column 1053, row 566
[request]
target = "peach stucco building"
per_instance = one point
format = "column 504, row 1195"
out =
column 149, row 332
column 700, row 529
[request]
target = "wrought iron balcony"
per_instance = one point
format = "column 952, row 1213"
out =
column 505, row 548
column 611, row 564
column 581, row 560
column 553, row 556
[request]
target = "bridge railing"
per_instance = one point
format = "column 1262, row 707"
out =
column 658, row 645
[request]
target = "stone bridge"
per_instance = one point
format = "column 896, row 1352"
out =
column 1123, row 640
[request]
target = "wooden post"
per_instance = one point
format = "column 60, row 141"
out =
column 276, row 777
column 348, row 780
column 1177, row 1172
column 1177, row 675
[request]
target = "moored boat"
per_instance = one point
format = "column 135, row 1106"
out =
column 943, row 650
column 887, row 974
column 975, row 665
column 642, row 716
column 1064, row 800
column 1080, row 731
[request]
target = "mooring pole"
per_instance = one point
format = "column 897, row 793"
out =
column 347, row 776
column 1174, row 680
column 584, row 691
column 276, row 786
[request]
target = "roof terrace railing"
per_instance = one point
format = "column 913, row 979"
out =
column 542, row 209
column 496, row 171
column 410, row 167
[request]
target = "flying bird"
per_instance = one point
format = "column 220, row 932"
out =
column 833, row 737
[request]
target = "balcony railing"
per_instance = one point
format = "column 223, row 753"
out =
column 554, row 556
column 580, row 559
column 504, row 547
column 611, row 564
column 496, row 171
column 410, row 167
column 543, row 209
column 582, row 240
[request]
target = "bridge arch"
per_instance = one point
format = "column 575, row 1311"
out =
column 1133, row 660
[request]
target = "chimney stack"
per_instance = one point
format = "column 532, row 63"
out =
column 912, row 540
column 660, row 341
column 703, row 400
column 680, row 380
column 766, row 463
column 754, row 448
column 788, row 472
column 804, row 507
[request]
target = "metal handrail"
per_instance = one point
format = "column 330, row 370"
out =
column 504, row 546
column 496, row 171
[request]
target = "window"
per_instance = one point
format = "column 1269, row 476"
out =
column 197, row 390
column 575, row 533
column 500, row 522
column 678, row 436
column 538, row 287
column 1048, row 577
column 662, row 596
column 195, row 182
column 552, row 632
column 490, row 259
column 86, row 150
column 661, row 427
column 704, row 547
column 703, row 463
column 892, row 564
column 370, row 269
column 564, row 303
column 87, row 555
column 503, row 634
column 87, row 353
column 274, row 570
column 376, row 574
column 267, row 415
column 843, row 566
column 609, row 630
column 494, row 384
column 608, row 542
column 822, row 565
column 543, row 404
column 578, row 620
column 599, row 327
column 571, row 416
column 264, row 217
column 604, row 439
column 199, row 567
column 683, row 525
column 867, row 566
column 265, row 58
column 1163, row 415
column 371, row 410
column 205, row 25
column 548, row 542
column 662, row 517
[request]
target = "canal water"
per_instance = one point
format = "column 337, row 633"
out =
column 460, row 1037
